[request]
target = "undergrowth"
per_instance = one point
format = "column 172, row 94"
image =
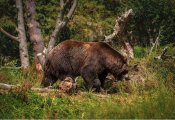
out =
column 150, row 94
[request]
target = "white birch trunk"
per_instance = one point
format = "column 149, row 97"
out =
column 24, row 57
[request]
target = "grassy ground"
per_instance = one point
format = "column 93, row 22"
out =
column 158, row 104
column 150, row 94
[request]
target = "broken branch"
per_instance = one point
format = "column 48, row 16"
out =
column 9, row 35
column 8, row 87
column 72, row 9
column 163, row 55
column 62, row 21
column 120, row 27
column 156, row 43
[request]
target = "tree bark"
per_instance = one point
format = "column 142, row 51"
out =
column 120, row 33
column 35, row 33
column 24, row 57
column 62, row 20
column 120, row 27
column 155, row 44
column 8, row 88
column 34, row 30
column 127, row 50
column 23, row 50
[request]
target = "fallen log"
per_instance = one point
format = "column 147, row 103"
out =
column 8, row 87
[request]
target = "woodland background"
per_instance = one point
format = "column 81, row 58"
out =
column 150, row 93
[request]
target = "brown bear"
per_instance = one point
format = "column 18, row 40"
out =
column 92, row 60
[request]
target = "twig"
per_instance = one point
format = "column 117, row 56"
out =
column 163, row 55
column 9, row 35
column 156, row 43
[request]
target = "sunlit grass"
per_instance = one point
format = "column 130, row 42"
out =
column 159, row 104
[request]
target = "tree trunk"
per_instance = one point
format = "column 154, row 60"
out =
column 24, row 57
column 128, row 49
column 120, row 33
column 67, row 9
column 58, row 27
column 62, row 20
column 35, row 34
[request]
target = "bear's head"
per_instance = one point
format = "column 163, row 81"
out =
column 48, row 81
column 123, row 74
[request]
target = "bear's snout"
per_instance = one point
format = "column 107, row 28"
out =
column 46, row 82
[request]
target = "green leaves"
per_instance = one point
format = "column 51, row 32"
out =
column 7, row 22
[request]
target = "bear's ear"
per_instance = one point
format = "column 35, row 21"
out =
column 135, row 67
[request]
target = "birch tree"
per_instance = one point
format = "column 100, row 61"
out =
column 64, row 15
column 21, row 39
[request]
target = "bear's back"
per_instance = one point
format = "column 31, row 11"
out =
column 75, row 52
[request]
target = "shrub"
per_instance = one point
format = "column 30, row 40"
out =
column 139, row 52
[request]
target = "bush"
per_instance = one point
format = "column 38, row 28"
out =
column 139, row 52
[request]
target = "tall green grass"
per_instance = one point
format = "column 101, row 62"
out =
column 159, row 104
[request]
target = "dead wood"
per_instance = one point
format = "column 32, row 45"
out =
column 121, row 34
column 8, row 87
column 163, row 55
column 121, row 25
column 156, row 43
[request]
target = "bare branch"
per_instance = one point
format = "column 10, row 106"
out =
column 71, row 11
column 67, row 3
column 120, row 27
column 163, row 55
column 61, row 3
column 156, row 43
column 64, row 6
column 61, row 21
column 9, row 35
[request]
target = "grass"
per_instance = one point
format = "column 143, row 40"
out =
column 136, row 100
column 159, row 104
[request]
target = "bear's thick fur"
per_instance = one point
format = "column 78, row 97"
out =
column 92, row 60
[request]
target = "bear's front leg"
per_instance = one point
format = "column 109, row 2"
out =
column 91, row 78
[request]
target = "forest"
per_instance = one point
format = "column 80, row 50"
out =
column 87, row 59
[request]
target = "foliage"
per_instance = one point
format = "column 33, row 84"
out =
column 139, row 51
column 96, row 18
